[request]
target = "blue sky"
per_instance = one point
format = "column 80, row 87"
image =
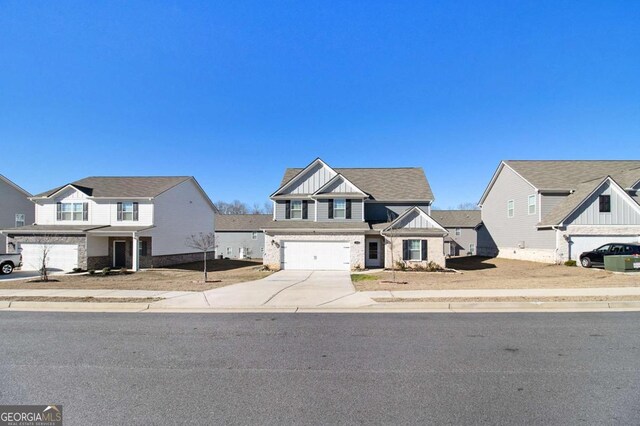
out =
column 234, row 92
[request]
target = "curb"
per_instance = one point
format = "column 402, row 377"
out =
column 76, row 306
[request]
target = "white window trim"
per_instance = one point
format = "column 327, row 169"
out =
column 419, row 259
column 336, row 209
column 511, row 209
column 124, row 211
column 458, row 232
column 72, row 212
column 24, row 219
column 534, row 205
column 293, row 203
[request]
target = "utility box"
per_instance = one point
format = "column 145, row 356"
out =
column 626, row 263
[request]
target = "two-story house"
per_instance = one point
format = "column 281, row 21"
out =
column 351, row 218
column 15, row 209
column 551, row 211
column 462, row 226
column 240, row 236
column 119, row 222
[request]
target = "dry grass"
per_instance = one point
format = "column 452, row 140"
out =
column 485, row 273
column 187, row 277
column 80, row 299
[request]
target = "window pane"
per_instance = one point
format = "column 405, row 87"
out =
column 339, row 208
column 414, row 244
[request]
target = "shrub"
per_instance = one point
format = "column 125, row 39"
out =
column 92, row 271
column 123, row 270
column 105, row 271
column 570, row 263
column 77, row 270
column 401, row 265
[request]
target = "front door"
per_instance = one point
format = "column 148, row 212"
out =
column 119, row 254
column 373, row 254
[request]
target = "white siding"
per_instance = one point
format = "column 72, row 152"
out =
column 97, row 246
column 179, row 213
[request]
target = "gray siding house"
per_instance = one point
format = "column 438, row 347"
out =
column 240, row 236
column 551, row 211
column 16, row 210
column 352, row 218
column 462, row 226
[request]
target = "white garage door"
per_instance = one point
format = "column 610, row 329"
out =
column 316, row 255
column 589, row 242
column 62, row 257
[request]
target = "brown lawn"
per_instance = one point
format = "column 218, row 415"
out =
column 479, row 273
column 187, row 277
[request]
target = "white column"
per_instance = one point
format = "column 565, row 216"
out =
column 135, row 256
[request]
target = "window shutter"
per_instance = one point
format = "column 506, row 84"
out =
column 287, row 210
column 347, row 214
column 424, row 249
column 135, row 211
column 330, row 213
column 119, row 218
column 405, row 250
column 59, row 210
column 305, row 209
column 85, row 211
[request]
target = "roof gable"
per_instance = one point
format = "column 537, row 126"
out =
column 393, row 184
column 414, row 218
column 121, row 186
column 14, row 186
column 339, row 185
column 307, row 180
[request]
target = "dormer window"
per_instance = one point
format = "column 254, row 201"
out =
column 127, row 211
column 73, row 212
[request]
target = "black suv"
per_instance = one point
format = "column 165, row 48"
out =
column 596, row 257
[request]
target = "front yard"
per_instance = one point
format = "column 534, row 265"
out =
column 187, row 277
column 488, row 273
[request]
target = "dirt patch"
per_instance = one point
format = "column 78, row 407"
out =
column 80, row 299
column 487, row 273
column 188, row 277
column 513, row 299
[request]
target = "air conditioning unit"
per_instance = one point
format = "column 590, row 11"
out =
column 521, row 244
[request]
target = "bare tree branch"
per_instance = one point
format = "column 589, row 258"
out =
column 204, row 243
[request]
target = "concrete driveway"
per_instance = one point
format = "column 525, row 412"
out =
column 282, row 289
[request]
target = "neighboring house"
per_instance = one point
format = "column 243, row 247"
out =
column 462, row 226
column 15, row 209
column 121, row 222
column 551, row 211
column 240, row 236
column 351, row 218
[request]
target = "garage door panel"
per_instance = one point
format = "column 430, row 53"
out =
column 584, row 243
column 316, row 255
column 62, row 257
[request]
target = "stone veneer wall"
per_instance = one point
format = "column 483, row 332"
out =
column 80, row 240
column 272, row 253
column 177, row 259
column 435, row 251
column 563, row 245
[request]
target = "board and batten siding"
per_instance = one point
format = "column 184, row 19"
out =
column 281, row 210
column 179, row 212
column 13, row 201
column 509, row 232
column 381, row 211
column 356, row 211
column 622, row 211
column 414, row 220
column 310, row 181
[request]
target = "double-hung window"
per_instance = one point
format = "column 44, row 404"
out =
column 531, row 203
column 296, row 209
column 510, row 208
column 458, row 232
column 71, row 211
column 127, row 210
column 415, row 250
column 254, row 235
column 20, row 218
column 340, row 208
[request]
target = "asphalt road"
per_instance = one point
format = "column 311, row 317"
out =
column 325, row 368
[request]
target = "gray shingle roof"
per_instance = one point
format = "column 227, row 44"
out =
column 384, row 184
column 457, row 218
column 568, row 174
column 242, row 222
column 123, row 186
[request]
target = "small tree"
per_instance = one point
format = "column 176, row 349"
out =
column 203, row 242
column 45, row 250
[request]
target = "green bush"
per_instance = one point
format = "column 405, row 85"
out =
column 105, row 271
column 92, row 271
column 570, row 263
